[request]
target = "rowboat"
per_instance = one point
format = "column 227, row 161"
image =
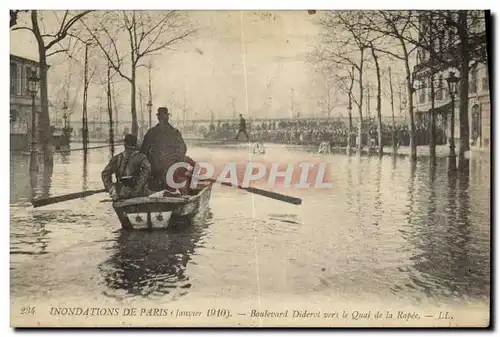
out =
column 159, row 211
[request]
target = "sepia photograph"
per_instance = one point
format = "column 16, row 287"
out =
column 250, row 168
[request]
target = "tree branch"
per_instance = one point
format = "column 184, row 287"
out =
column 57, row 52
column 22, row 28
column 150, row 50
column 115, row 65
column 63, row 32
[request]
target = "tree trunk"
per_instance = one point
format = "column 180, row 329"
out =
column 110, row 113
column 409, row 89
column 43, row 126
column 349, row 145
column 44, row 132
column 464, row 86
column 133, row 108
column 360, row 106
column 85, row 128
column 432, row 123
column 394, row 138
column 379, row 104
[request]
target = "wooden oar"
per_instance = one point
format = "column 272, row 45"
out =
column 66, row 197
column 264, row 193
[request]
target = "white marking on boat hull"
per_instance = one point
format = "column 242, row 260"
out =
column 160, row 219
column 138, row 220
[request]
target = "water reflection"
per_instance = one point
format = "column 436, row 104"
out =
column 33, row 161
column 30, row 235
column 27, row 184
column 440, row 231
column 377, row 216
column 85, row 172
column 48, row 169
column 350, row 185
column 432, row 238
column 153, row 263
column 65, row 155
column 360, row 175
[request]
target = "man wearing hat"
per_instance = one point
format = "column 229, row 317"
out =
column 163, row 145
column 242, row 128
column 131, row 169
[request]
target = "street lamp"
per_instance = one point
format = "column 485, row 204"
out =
column 150, row 108
column 349, row 134
column 65, row 115
column 452, row 81
column 33, row 81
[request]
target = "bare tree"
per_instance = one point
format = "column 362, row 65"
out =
column 49, row 43
column 146, row 32
column 110, row 108
column 391, row 93
column 379, row 98
column 328, row 99
column 394, row 29
column 344, row 44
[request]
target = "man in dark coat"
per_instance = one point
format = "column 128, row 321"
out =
column 164, row 146
column 131, row 169
column 242, row 128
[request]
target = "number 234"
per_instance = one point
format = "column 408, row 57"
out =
column 27, row 310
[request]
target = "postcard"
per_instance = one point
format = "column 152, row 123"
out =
column 305, row 168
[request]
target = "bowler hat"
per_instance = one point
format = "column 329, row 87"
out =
column 163, row 109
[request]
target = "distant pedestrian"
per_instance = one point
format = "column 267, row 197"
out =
column 242, row 128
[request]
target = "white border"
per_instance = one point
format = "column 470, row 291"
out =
column 186, row 4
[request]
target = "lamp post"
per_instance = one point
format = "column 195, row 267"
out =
column 349, row 134
column 150, row 109
column 65, row 115
column 452, row 88
column 33, row 81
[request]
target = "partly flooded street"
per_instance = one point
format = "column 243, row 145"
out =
column 386, row 230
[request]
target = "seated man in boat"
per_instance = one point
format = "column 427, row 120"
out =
column 163, row 145
column 185, row 175
column 131, row 169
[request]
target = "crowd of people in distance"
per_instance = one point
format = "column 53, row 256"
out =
column 336, row 132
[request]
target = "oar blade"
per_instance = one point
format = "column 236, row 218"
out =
column 54, row 200
column 276, row 196
column 264, row 193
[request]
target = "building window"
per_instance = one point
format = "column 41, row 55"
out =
column 473, row 80
column 24, row 81
column 440, row 88
column 13, row 116
column 485, row 83
column 27, row 72
column 422, row 94
column 13, row 79
column 429, row 92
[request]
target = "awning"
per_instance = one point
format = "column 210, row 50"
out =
column 445, row 108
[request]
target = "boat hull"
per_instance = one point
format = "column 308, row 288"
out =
column 159, row 212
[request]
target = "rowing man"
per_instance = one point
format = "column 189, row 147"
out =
column 131, row 169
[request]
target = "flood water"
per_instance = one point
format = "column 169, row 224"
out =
column 386, row 229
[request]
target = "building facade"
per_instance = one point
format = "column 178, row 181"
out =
column 479, row 104
column 21, row 102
